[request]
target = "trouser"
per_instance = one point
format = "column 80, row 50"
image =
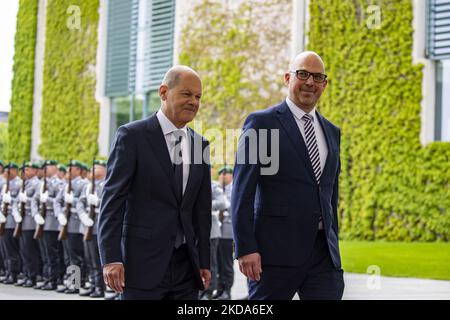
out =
column 317, row 279
column 44, row 266
column 54, row 255
column 76, row 253
column 91, row 248
column 29, row 251
column 214, row 243
column 11, row 249
column 225, row 265
column 2, row 256
column 179, row 282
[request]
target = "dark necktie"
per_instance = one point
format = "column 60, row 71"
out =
column 178, row 173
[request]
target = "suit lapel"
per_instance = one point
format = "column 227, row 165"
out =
column 287, row 121
column 158, row 143
column 327, row 134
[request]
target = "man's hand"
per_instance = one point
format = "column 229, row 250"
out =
column 250, row 266
column 23, row 197
column 7, row 198
column 114, row 276
column 62, row 219
column 205, row 274
column 39, row 219
column 68, row 198
column 43, row 197
column 93, row 200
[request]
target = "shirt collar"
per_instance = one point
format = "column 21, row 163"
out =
column 166, row 125
column 297, row 112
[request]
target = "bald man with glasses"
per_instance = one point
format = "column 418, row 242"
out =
column 285, row 224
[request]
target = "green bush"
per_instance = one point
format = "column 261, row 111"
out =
column 391, row 187
column 3, row 142
column 70, row 113
column 21, row 116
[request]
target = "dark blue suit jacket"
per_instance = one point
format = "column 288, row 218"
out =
column 278, row 215
column 139, row 209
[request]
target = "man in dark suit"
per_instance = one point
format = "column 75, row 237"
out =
column 285, row 224
column 155, row 215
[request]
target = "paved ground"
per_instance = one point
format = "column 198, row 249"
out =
column 358, row 287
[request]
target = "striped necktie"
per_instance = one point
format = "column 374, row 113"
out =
column 311, row 144
column 313, row 150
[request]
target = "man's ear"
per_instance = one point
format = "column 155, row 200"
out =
column 163, row 92
column 325, row 83
column 287, row 77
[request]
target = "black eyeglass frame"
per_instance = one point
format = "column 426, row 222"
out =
column 314, row 75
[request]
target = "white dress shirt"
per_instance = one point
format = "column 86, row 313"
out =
column 168, row 129
column 320, row 136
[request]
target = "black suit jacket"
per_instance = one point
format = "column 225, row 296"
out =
column 278, row 215
column 139, row 209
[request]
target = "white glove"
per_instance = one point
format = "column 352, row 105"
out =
column 43, row 197
column 7, row 198
column 62, row 219
column 93, row 200
column 2, row 218
column 17, row 217
column 88, row 222
column 39, row 219
column 68, row 198
column 23, row 197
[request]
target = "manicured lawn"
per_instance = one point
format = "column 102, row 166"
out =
column 416, row 260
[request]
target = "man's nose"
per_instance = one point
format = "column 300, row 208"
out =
column 310, row 80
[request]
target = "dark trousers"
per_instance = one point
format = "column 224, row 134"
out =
column 29, row 250
column 45, row 268
column 316, row 280
column 95, row 266
column 2, row 256
column 178, row 282
column 225, row 264
column 214, row 245
column 75, row 251
column 11, row 249
column 54, row 256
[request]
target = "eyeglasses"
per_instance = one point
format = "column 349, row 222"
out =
column 304, row 75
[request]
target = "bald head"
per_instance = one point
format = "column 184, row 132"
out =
column 307, row 57
column 173, row 75
column 180, row 94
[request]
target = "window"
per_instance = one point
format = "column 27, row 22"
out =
column 442, row 132
column 140, row 45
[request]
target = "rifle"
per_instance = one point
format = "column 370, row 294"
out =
column 38, row 233
column 89, row 230
column 5, row 205
column 18, row 229
column 68, row 209
column 221, row 212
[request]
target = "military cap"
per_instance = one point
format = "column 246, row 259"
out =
column 225, row 169
column 12, row 165
column 62, row 167
column 50, row 163
column 76, row 163
column 100, row 163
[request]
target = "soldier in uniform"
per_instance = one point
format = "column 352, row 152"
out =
column 9, row 243
column 88, row 200
column 53, row 250
column 2, row 254
column 218, row 204
column 28, row 247
column 225, row 248
column 62, row 171
column 74, row 239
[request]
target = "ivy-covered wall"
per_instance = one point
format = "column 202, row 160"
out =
column 392, row 187
column 21, row 116
column 70, row 113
